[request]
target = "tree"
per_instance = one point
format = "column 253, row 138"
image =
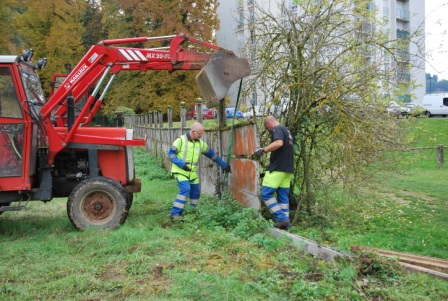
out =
column 337, row 72
column 53, row 30
column 442, row 86
column 9, row 37
column 63, row 30
column 433, row 85
column 155, row 90
column 5, row 27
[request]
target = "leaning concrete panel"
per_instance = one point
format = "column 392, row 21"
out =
column 244, row 181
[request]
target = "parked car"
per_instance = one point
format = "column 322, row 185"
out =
column 206, row 112
column 230, row 111
column 415, row 110
column 397, row 110
column 249, row 113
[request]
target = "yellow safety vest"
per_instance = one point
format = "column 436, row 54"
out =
column 188, row 151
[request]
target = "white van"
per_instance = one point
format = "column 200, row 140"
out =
column 435, row 104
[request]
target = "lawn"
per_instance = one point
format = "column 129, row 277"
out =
column 222, row 251
column 405, row 212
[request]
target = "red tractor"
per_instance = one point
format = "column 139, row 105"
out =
column 48, row 149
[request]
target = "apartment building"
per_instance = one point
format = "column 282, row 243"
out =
column 238, row 29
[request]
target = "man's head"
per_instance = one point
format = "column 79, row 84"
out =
column 270, row 122
column 197, row 130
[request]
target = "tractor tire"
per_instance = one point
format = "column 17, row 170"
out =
column 129, row 200
column 6, row 205
column 97, row 203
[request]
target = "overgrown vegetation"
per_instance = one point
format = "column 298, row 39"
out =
column 406, row 211
column 221, row 252
column 331, row 71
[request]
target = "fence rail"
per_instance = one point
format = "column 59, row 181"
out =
column 439, row 148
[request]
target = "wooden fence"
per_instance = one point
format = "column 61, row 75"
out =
column 439, row 152
column 243, row 182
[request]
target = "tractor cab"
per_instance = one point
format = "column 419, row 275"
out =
column 19, row 87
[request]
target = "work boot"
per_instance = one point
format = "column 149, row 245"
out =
column 282, row 225
column 176, row 219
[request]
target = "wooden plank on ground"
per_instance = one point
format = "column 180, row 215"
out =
column 415, row 268
column 435, row 267
column 432, row 263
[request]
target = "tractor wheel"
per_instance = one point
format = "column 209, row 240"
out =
column 97, row 203
column 6, row 205
column 129, row 200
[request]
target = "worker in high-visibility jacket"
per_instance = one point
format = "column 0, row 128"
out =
column 184, row 155
column 279, row 172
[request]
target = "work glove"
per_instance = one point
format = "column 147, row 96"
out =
column 258, row 153
column 227, row 169
column 186, row 167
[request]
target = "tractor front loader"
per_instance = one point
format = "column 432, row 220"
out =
column 48, row 149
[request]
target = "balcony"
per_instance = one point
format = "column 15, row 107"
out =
column 403, row 76
column 401, row 34
column 403, row 14
column 403, row 56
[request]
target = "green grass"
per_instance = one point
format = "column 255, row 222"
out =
column 405, row 212
column 222, row 252
column 430, row 131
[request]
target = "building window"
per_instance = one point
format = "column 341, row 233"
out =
column 251, row 15
column 254, row 98
column 240, row 19
column 9, row 101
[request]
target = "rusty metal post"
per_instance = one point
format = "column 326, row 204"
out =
column 199, row 109
column 440, row 155
column 120, row 122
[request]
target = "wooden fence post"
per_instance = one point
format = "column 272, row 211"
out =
column 160, row 118
column 150, row 119
column 199, row 109
column 440, row 155
column 183, row 115
column 170, row 117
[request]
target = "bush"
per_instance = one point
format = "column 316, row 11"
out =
column 149, row 167
column 231, row 215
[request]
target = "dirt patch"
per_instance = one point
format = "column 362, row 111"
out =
column 399, row 196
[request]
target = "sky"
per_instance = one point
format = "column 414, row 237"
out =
column 436, row 40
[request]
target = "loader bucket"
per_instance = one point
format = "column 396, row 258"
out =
column 221, row 71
